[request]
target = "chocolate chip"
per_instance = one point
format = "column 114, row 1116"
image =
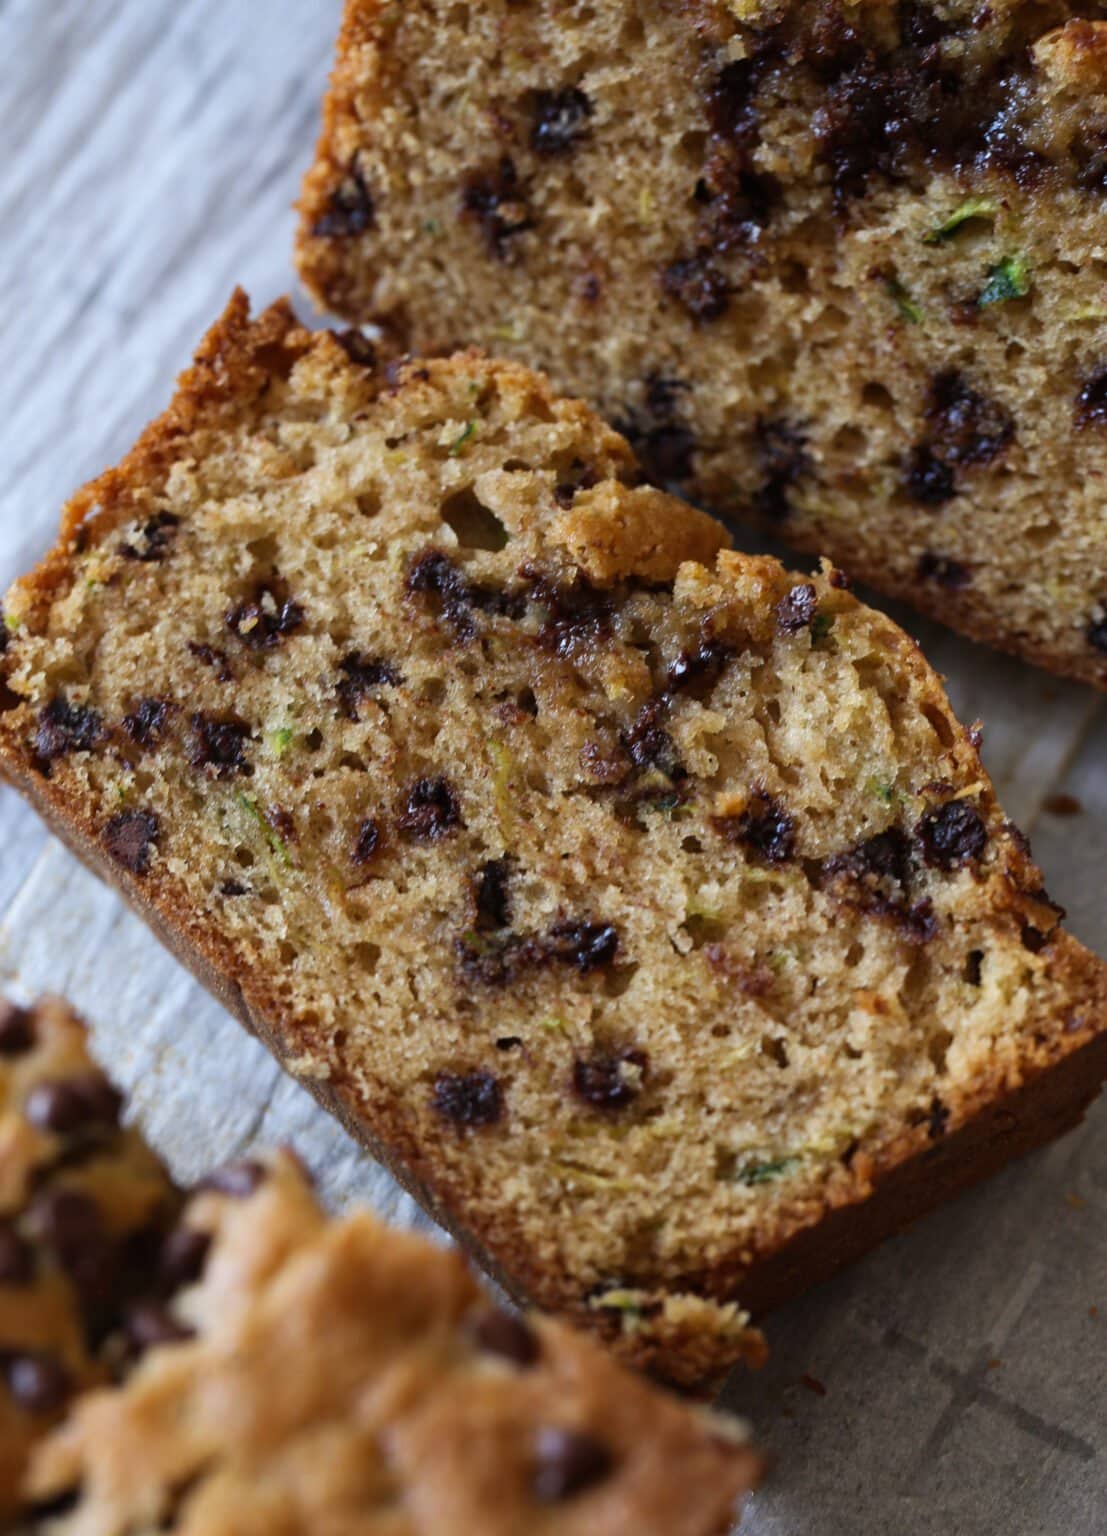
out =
column 882, row 863
column 780, row 449
column 237, row 1180
column 1097, row 634
column 764, row 827
column 130, row 837
column 219, row 746
column 588, row 946
column 69, row 1224
column 566, row 1463
column 560, row 120
column 453, row 596
column 952, row 835
column 937, row 1119
column 147, row 721
column 430, row 811
column 17, row 1260
column 232, row 888
column 154, row 539
column 491, row 895
column 943, row 571
column 39, row 1383
column 697, row 671
column 183, row 1256
column 148, row 1323
column 796, row 609
column 503, row 1333
column 361, row 676
column 71, row 1104
column 964, row 429
column 367, row 842
column 216, row 660
column 497, row 200
column 357, row 347
column 351, row 211
column 64, row 728
column 1091, row 402
column 698, row 286
column 468, row 1098
column 610, row 1081
column 649, row 745
column 263, row 620
column 17, row 1029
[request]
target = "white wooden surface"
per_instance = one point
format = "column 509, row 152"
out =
column 151, row 151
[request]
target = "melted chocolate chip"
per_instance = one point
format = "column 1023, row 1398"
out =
column 567, row 1462
column 357, row 347
column 219, row 746
column 155, row 539
column 780, row 449
column 698, row 286
column 468, row 1098
column 511, row 1338
column 216, row 660
column 577, row 615
column 497, row 200
column 560, row 120
column 952, row 835
column 262, row 621
column 38, row 1383
column 944, row 571
column 65, row 728
column 17, row 1029
column 17, row 1260
column 604, row 1081
column 649, row 745
column 367, row 842
column 492, row 896
column 430, row 810
column 796, row 609
column 351, row 210
column 1091, row 402
column 964, row 429
column 764, row 827
column 588, row 946
column 67, row 1105
column 183, row 1256
column 882, row 863
column 697, row 671
column 146, row 724
column 236, row 1180
column 361, row 676
column 130, row 838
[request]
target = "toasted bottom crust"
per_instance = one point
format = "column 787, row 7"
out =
column 911, row 1180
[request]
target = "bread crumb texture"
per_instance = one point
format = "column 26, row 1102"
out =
column 836, row 268
column 343, row 1377
column 640, row 903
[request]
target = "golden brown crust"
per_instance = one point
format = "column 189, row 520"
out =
column 686, row 1324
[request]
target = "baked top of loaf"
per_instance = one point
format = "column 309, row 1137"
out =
column 640, row 903
column 84, row 1206
column 837, row 268
column 344, row 1377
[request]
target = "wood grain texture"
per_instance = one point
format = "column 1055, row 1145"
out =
column 153, row 150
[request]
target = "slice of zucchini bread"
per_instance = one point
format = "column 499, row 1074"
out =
column 835, row 266
column 336, row 1376
column 85, row 1208
column 643, row 906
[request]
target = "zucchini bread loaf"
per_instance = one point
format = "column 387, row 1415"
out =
column 642, row 905
column 85, row 1210
column 336, row 1376
column 836, row 266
